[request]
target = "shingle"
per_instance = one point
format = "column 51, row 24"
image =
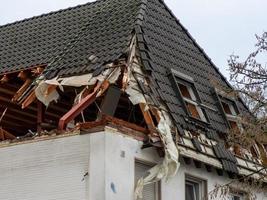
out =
column 196, row 144
column 228, row 160
column 102, row 25
column 170, row 46
column 104, row 29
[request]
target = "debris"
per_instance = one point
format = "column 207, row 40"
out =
column 168, row 168
column 46, row 93
column 22, row 89
column 84, row 103
column 170, row 164
column 29, row 99
column 105, row 120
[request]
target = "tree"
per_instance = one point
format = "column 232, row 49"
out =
column 249, row 78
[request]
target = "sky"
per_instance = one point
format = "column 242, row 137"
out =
column 220, row 27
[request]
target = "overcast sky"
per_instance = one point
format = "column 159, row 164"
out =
column 221, row 27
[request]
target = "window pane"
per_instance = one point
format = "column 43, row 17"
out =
column 195, row 189
column 190, row 192
column 192, row 110
column 184, row 90
column 237, row 198
column 226, row 108
column 234, row 197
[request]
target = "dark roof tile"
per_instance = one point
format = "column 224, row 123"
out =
column 65, row 39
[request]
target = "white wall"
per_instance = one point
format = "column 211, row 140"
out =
column 51, row 169
column 54, row 169
column 176, row 186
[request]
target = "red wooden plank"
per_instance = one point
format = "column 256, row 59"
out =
column 78, row 108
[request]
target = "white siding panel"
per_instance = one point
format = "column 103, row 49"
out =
column 46, row 170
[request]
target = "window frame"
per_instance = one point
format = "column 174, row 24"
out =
column 232, row 106
column 149, row 165
column 237, row 193
column 240, row 196
column 183, row 79
column 233, row 117
column 200, row 182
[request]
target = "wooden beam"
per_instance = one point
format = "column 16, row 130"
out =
column 85, row 102
column 147, row 116
column 22, row 89
column 155, row 112
column 2, row 135
column 31, row 110
column 12, row 125
column 125, row 79
column 26, row 68
column 6, row 135
column 31, row 98
column 4, row 79
column 18, row 119
column 105, row 120
column 37, row 71
column 23, row 75
column 7, row 91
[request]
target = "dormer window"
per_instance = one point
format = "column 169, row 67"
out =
column 191, row 101
column 187, row 92
column 231, row 112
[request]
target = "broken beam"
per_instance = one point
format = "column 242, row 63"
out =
column 106, row 118
column 22, row 89
column 84, row 103
column 147, row 116
column 29, row 99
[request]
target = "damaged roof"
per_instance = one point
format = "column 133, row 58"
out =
column 83, row 39
column 69, row 38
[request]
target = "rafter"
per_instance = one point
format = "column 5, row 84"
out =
column 85, row 102
column 22, row 89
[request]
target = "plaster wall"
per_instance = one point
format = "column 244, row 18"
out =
column 96, row 166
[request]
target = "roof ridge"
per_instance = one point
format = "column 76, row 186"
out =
column 49, row 13
column 141, row 14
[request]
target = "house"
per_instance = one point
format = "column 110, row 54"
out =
column 115, row 100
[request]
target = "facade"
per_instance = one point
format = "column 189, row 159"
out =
column 115, row 100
